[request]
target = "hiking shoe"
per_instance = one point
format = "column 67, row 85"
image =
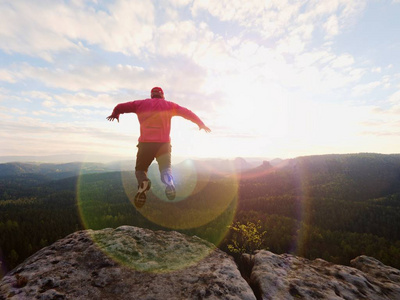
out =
column 140, row 198
column 170, row 189
column 170, row 192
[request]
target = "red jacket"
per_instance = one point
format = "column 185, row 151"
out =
column 154, row 116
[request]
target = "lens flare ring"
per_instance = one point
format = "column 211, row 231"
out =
column 204, row 206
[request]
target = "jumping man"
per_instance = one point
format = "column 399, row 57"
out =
column 154, row 116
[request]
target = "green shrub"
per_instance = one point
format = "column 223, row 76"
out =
column 246, row 238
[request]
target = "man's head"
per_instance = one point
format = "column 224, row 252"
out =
column 157, row 92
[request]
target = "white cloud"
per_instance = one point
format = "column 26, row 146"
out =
column 82, row 99
column 376, row 70
column 386, row 113
column 44, row 113
column 395, row 98
column 48, row 104
column 182, row 38
column 363, row 89
column 24, row 29
column 115, row 29
column 292, row 45
column 180, row 2
column 292, row 26
column 332, row 26
column 342, row 61
column 275, row 18
column 95, row 78
column 7, row 76
column 44, row 137
column 86, row 81
column 10, row 97
column 13, row 111
column 267, row 17
column 38, row 95
column 42, row 28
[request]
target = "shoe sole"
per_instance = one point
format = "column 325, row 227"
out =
column 140, row 198
column 170, row 192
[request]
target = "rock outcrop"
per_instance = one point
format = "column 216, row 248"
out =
column 135, row 263
column 289, row 277
column 127, row 263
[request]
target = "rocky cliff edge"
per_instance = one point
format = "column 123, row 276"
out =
column 135, row 263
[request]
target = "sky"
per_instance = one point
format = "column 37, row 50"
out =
column 271, row 79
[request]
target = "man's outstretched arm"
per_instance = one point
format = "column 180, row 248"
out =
column 191, row 116
column 121, row 109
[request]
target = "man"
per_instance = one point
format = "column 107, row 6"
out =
column 154, row 116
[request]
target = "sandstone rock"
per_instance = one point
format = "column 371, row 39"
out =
column 386, row 277
column 127, row 263
column 289, row 277
column 135, row 263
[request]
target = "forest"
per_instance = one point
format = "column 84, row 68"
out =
column 333, row 207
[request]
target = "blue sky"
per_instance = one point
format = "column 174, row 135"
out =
column 270, row 78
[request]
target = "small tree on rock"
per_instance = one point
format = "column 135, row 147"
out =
column 246, row 238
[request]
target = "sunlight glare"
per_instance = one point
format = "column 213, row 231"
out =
column 257, row 110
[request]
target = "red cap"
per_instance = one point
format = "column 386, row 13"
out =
column 157, row 92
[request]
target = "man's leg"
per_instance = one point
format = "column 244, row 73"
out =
column 144, row 157
column 164, row 164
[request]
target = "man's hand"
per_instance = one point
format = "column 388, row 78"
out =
column 112, row 118
column 206, row 129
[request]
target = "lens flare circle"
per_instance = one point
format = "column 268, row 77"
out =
column 205, row 204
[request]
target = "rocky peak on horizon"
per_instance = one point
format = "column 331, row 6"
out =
column 135, row 263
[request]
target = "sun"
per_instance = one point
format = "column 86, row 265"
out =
column 257, row 110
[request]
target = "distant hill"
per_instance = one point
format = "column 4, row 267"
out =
column 53, row 171
column 59, row 171
column 217, row 166
column 365, row 175
column 62, row 158
column 344, row 176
